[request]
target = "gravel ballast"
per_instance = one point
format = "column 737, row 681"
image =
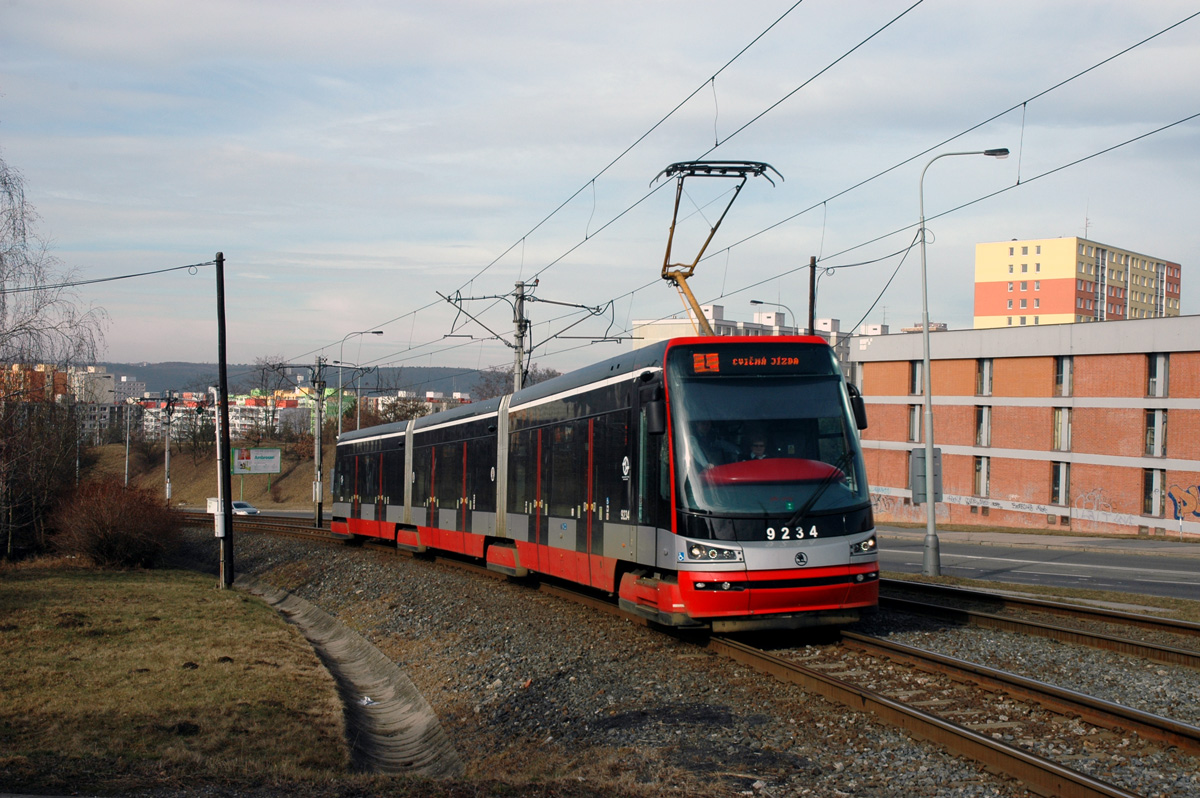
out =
column 532, row 688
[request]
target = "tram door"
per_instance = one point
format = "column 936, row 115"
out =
column 368, row 485
column 424, row 506
column 610, row 489
column 566, row 463
column 448, row 493
column 380, row 492
column 652, row 469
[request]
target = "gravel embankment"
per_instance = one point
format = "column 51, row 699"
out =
column 1166, row 690
column 533, row 688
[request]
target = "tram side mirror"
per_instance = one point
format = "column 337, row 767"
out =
column 858, row 406
column 656, row 417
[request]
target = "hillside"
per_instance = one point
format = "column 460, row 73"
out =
column 193, row 479
column 161, row 377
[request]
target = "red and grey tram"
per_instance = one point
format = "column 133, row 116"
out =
column 714, row 482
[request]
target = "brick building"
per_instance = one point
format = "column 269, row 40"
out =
column 1090, row 427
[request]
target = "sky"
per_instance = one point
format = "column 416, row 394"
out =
column 356, row 162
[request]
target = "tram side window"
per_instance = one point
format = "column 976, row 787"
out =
column 343, row 466
column 653, row 476
column 481, row 460
column 422, row 465
column 393, row 476
column 564, row 478
column 522, row 471
column 448, row 472
column 368, row 477
column 610, row 452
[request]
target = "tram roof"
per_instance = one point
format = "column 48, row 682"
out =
column 626, row 363
column 632, row 362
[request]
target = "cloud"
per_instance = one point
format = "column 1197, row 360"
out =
column 353, row 159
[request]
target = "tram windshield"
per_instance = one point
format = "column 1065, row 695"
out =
column 763, row 430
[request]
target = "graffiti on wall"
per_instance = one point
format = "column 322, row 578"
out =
column 1186, row 500
column 895, row 509
column 1090, row 507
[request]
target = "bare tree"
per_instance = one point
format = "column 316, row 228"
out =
column 43, row 329
column 397, row 409
column 40, row 318
column 498, row 380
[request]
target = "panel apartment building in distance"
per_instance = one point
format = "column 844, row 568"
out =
column 1068, row 280
column 1089, row 427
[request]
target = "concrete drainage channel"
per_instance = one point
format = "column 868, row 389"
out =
column 390, row 727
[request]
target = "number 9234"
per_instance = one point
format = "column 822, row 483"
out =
column 788, row 533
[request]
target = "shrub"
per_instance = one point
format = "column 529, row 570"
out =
column 115, row 526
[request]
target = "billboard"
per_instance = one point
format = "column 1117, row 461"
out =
column 256, row 461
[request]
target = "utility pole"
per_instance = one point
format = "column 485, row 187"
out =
column 319, row 393
column 523, row 344
column 812, row 294
column 223, row 518
column 170, row 409
column 128, row 413
column 522, row 324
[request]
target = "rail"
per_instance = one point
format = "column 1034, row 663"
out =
column 1072, row 610
column 1038, row 773
column 1057, row 699
column 1152, row 651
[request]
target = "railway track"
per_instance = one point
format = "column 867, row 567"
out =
column 954, row 605
column 986, row 715
column 278, row 525
column 1069, row 610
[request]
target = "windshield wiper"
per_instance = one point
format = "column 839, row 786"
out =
column 820, row 491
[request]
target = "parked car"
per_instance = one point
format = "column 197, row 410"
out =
column 244, row 508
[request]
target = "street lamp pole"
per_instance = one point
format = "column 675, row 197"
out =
column 777, row 305
column 341, row 357
column 932, row 557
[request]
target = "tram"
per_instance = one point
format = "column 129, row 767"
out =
column 702, row 482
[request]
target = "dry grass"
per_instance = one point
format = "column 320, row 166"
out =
column 194, row 480
column 121, row 679
column 158, row 682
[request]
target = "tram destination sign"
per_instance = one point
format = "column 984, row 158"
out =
column 256, row 461
column 805, row 359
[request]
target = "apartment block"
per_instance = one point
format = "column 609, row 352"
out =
column 1070, row 280
column 1087, row 427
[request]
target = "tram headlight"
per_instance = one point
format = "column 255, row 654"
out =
column 697, row 552
column 721, row 587
column 867, row 546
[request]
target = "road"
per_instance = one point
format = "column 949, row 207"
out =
column 1145, row 567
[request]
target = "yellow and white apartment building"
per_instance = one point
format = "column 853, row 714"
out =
column 1068, row 280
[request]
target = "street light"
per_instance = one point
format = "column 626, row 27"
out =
column 341, row 357
column 357, row 389
column 932, row 559
column 776, row 305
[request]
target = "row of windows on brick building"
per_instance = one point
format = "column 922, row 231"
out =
column 1157, row 375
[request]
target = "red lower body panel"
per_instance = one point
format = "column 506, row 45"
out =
column 686, row 597
column 780, row 592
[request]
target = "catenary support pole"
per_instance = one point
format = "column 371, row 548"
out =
column 519, row 349
column 224, row 519
column 319, row 395
column 812, row 294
